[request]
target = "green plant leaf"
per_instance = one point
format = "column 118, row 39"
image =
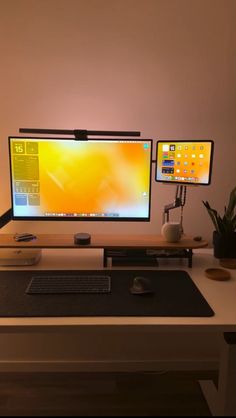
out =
column 231, row 205
column 234, row 222
column 214, row 216
column 227, row 223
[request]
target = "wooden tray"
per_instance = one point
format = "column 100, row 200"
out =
column 217, row 274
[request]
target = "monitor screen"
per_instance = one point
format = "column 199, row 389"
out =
column 65, row 179
column 184, row 162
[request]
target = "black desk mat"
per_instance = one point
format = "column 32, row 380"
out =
column 175, row 294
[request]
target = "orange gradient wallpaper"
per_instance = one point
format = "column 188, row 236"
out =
column 55, row 178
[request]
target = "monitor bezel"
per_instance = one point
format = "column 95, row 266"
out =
column 163, row 141
column 80, row 218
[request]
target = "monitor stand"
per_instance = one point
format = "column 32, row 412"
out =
column 19, row 257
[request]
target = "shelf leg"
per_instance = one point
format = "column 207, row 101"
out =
column 190, row 257
column 104, row 258
column 222, row 401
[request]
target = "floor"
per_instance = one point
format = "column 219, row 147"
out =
column 103, row 394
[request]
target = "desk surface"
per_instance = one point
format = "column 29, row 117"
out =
column 220, row 295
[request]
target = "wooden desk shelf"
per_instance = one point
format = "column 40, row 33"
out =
column 113, row 245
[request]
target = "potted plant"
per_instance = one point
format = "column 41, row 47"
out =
column 224, row 235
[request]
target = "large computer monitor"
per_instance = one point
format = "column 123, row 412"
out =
column 65, row 179
column 184, row 161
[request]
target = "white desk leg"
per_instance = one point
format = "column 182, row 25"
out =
column 222, row 402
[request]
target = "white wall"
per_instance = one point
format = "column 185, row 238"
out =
column 164, row 67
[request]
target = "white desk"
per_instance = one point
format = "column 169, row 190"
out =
column 220, row 295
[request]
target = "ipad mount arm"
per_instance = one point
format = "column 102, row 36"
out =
column 180, row 199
